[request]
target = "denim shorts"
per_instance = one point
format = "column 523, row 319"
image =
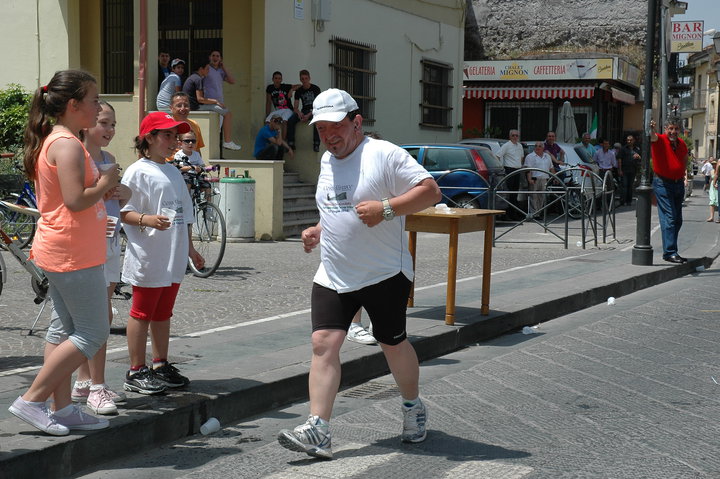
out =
column 80, row 310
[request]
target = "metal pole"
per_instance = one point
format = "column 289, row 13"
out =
column 663, row 62
column 642, row 253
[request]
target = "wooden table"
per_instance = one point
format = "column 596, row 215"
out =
column 458, row 220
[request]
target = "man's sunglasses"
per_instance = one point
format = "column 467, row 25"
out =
column 277, row 120
column 191, row 142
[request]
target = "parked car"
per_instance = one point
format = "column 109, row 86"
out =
column 464, row 189
column 493, row 143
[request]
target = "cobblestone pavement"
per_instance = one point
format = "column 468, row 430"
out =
column 257, row 280
column 626, row 391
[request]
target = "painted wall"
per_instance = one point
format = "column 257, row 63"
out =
column 41, row 41
column 401, row 40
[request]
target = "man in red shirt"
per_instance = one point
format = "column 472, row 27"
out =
column 669, row 160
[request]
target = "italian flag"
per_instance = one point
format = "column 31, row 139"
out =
column 593, row 127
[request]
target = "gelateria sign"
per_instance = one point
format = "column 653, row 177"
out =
column 686, row 37
column 560, row 69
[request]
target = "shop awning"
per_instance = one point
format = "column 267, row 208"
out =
column 529, row 92
column 623, row 96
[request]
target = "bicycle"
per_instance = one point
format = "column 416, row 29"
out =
column 16, row 189
column 38, row 281
column 209, row 230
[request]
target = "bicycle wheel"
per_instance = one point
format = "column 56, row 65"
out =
column 19, row 226
column 209, row 237
column 574, row 203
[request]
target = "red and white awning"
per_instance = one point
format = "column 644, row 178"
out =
column 529, row 92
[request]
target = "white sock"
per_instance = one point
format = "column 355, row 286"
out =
column 64, row 412
column 34, row 403
column 97, row 387
column 408, row 403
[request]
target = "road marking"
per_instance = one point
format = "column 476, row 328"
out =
column 10, row 372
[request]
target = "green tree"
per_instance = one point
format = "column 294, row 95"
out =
column 14, row 107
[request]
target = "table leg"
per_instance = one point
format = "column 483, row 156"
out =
column 412, row 244
column 452, row 274
column 487, row 261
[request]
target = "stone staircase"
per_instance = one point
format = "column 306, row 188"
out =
column 299, row 209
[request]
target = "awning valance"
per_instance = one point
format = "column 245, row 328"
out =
column 623, row 96
column 529, row 92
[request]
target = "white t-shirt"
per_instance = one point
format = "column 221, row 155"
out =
column 353, row 255
column 511, row 154
column 194, row 159
column 543, row 162
column 155, row 258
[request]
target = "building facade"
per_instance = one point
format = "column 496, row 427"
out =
column 700, row 108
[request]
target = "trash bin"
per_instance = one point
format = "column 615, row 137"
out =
column 237, row 203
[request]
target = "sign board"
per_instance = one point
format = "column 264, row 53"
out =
column 686, row 37
column 560, row 69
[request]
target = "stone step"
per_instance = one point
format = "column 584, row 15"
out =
column 296, row 214
column 291, row 178
column 298, row 189
column 297, row 201
column 294, row 228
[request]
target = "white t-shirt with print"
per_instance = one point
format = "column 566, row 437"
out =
column 353, row 255
column 155, row 258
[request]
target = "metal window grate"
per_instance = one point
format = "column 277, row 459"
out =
column 353, row 67
column 190, row 29
column 436, row 109
column 118, row 67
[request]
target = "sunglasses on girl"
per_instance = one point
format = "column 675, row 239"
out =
column 189, row 141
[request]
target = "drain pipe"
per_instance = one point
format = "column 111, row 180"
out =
column 142, row 70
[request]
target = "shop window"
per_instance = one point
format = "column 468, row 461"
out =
column 118, row 66
column 190, row 29
column 533, row 119
column 436, row 108
column 353, row 70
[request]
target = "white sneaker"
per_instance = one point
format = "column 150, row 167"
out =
column 414, row 419
column 358, row 334
column 100, row 402
column 308, row 438
column 231, row 145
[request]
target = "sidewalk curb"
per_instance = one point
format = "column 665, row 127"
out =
column 178, row 415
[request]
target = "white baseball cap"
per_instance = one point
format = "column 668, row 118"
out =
column 332, row 105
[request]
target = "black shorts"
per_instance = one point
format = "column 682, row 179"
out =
column 385, row 302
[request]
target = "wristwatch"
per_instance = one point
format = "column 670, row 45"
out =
column 388, row 212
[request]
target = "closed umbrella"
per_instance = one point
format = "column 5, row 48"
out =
column 566, row 130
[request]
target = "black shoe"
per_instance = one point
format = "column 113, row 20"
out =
column 143, row 382
column 316, row 148
column 676, row 258
column 291, row 144
column 168, row 375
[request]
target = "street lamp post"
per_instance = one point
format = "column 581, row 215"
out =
column 642, row 253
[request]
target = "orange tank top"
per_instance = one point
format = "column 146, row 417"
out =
column 66, row 240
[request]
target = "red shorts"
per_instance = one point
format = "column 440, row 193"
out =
column 153, row 304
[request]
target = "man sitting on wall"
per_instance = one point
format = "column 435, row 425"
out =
column 269, row 145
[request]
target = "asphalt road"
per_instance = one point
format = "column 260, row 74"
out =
column 623, row 391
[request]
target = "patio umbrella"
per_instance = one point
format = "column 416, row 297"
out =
column 566, row 130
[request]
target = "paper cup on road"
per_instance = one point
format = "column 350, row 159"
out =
column 170, row 213
column 212, row 425
column 111, row 224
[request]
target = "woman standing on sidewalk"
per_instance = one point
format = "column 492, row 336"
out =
column 712, row 190
column 69, row 245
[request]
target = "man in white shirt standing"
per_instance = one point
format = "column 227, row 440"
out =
column 537, row 180
column 365, row 189
column 511, row 155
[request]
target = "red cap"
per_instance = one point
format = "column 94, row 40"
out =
column 159, row 120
